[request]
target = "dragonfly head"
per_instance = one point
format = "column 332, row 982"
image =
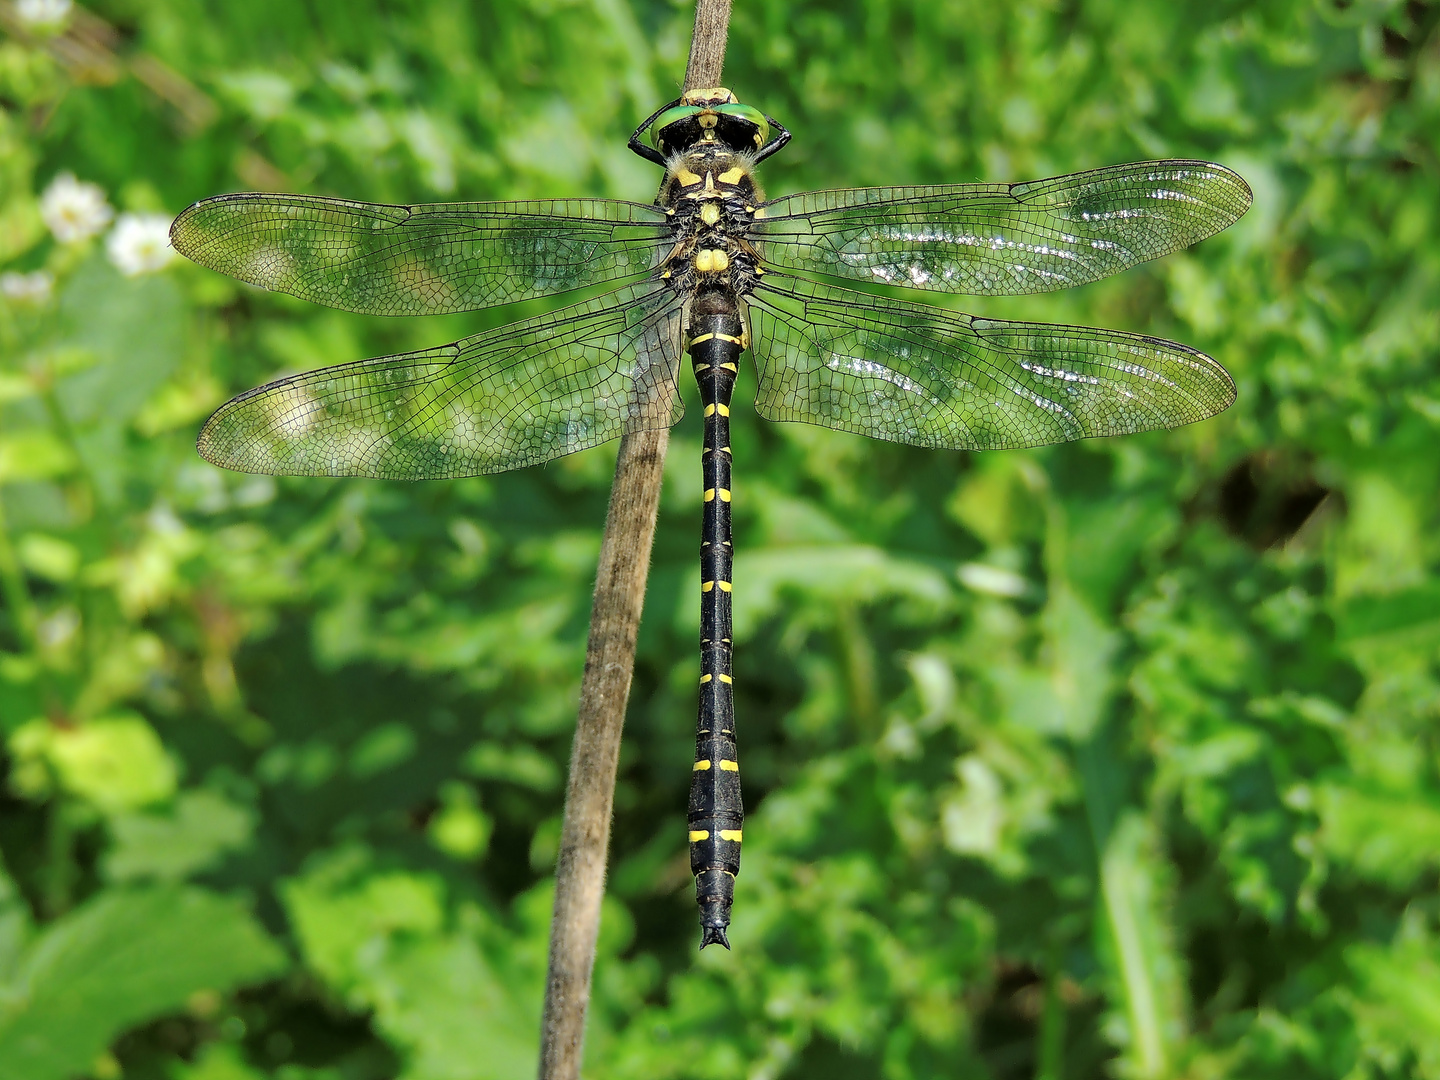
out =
column 711, row 115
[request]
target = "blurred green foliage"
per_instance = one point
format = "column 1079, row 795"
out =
column 1105, row 759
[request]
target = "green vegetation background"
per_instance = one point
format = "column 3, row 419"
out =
column 1105, row 759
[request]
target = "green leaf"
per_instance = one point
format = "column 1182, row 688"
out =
column 1139, row 950
column 1370, row 615
column 441, row 1000
column 15, row 925
column 33, row 455
column 222, row 1061
column 117, row 763
column 850, row 573
column 15, row 387
column 195, row 835
column 382, row 940
column 1399, row 999
column 122, row 959
column 134, row 329
column 1384, row 837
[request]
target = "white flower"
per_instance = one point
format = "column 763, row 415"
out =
column 74, row 210
column 42, row 14
column 31, row 288
column 140, row 243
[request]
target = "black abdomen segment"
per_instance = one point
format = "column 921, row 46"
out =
column 716, row 813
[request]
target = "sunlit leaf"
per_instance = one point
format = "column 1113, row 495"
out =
column 124, row 958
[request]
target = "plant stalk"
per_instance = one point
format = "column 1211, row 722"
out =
column 605, row 689
column 17, row 596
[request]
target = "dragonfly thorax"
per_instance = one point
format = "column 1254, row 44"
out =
column 707, row 172
column 711, row 195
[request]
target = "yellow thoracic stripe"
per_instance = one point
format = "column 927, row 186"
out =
column 703, row 764
column 733, row 176
column 722, row 337
column 729, row 766
column 697, row 835
column 729, row 834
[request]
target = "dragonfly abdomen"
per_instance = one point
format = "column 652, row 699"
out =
column 717, row 337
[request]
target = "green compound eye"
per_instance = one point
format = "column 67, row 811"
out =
column 668, row 117
column 750, row 114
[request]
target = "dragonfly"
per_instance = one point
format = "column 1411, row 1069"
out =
column 713, row 270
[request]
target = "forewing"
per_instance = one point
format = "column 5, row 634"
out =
column 1001, row 239
column 510, row 397
column 419, row 260
column 928, row 377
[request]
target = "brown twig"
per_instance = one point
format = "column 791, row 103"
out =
column 605, row 690
column 707, row 47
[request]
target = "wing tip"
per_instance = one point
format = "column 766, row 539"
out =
column 1243, row 191
column 196, row 228
column 181, row 229
column 1232, row 209
column 213, row 444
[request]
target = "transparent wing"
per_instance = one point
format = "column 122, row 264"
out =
column 915, row 374
column 510, row 397
column 419, row 260
column 1002, row 239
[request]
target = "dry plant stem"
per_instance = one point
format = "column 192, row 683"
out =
column 595, row 753
column 707, row 47
column 605, row 689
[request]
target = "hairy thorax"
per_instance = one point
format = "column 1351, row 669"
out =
column 711, row 194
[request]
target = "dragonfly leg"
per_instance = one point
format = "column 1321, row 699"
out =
column 636, row 143
column 776, row 144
